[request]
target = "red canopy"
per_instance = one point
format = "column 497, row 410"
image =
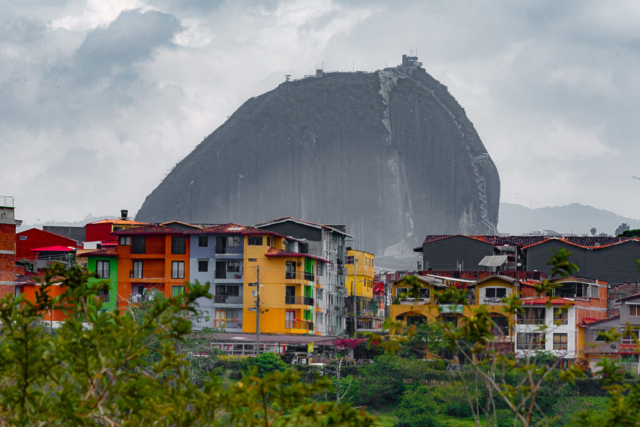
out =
column 57, row 248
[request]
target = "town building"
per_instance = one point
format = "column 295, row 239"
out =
column 8, row 224
column 325, row 242
column 46, row 247
column 360, row 300
column 104, row 262
column 151, row 257
column 607, row 258
column 102, row 231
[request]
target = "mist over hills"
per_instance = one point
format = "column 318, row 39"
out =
column 391, row 154
column 573, row 218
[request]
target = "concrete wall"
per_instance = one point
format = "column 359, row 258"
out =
column 444, row 254
column 75, row 233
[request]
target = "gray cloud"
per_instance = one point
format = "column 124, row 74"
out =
column 100, row 99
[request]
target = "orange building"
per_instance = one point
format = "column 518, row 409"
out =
column 151, row 257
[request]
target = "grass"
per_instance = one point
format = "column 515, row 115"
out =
column 386, row 418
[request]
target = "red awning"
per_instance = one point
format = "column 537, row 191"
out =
column 57, row 248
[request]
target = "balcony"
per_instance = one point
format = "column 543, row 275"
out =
column 146, row 274
column 310, row 277
column 137, row 298
column 221, row 274
column 522, row 321
column 298, row 324
column 292, row 299
column 299, row 275
column 149, row 250
column 227, row 299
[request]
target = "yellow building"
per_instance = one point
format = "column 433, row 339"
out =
column 360, row 267
column 291, row 288
column 488, row 291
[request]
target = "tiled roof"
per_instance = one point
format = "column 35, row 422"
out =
column 630, row 297
column 237, row 229
column 149, row 229
column 118, row 221
column 628, row 349
column 595, row 322
column 590, row 242
column 26, row 280
column 273, row 252
column 181, row 223
column 543, row 301
column 110, row 251
column 290, row 218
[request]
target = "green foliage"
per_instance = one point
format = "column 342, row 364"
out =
column 124, row 368
column 622, row 228
column 417, row 410
column 265, row 363
column 630, row 233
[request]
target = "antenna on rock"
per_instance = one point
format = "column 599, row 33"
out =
column 287, row 77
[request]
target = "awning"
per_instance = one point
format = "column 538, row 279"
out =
column 628, row 349
column 57, row 248
column 493, row 260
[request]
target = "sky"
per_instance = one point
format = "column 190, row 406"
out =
column 100, row 99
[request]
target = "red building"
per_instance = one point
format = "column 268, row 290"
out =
column 31, row 239
column 100, row 231
column 8, row 225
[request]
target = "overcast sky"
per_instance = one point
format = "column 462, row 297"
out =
column 99, row 99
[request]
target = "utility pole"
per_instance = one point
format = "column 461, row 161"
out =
column 355, row 276
column 258, row 308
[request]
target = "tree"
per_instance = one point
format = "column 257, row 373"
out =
column 114, row 368
column 622, row 228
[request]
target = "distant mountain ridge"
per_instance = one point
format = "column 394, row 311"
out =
column 573, row 218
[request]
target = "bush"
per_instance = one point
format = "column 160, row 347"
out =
column 266, row 362
column 417, row 409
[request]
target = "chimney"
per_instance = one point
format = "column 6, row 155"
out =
column 124, row 213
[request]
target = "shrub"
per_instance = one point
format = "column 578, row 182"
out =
column 266, row 362
column 417, row 409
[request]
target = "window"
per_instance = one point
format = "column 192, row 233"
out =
column 125, row 240
column 424, row 293
column 233, row 318
column 291, row 270
column 561, row 316
column 269, row 241
column 233, row 267
column 495, row 292
column 530, row 341
column 594, row 291
column 203, row 265
column 596, row 335
column 177, row 290
column 560, row 342
column 234, row 242
column 221, row 270
column 232, row 291
column 138, row 244
column 104, row 294
column 400, row 291
column 178, row 245
column 177, row 269
column 137, row 270
column 320, row 269
column 319, row 294
column 255, row 240
column 23, row 237
column 630, row 338
column 203, row 241
column 500, row 325
column 253, row 260
column 634, row 311
column 102, row 269
column 532, row 316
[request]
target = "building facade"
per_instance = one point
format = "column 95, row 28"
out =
column 104, row 262
column 360, row 300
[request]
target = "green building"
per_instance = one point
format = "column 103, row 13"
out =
column 104, row 262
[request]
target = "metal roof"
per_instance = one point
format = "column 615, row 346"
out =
column 493, row 260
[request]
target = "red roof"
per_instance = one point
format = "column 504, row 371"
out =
column 544, row 300
column 148, row 229
column 634, row 296
column 118, row 221
column 628, row 349
column 595, row 322
column 56, row 248
column 241, row 230
column 588, row 242
column 110, row 251
column 273, row 252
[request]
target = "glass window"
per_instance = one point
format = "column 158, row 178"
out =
column 178, row 245
column 233, row 267
column 137, row 270
column 104, row 294
column 530, row 341
column 596, row 335
column 255, row 240
column 495, row 292
column 233, row 291
column 319, row 294
column 633, row 310
column 203, row 265
column 320, row 269
column 560, row 341
column 203, row 241
column 23, row 237
column 233, row 316
column 269, row 241
column 177, row 269
column 630, row 338
column 532, row 316
column 234, row 242
column 138, row 244
column 125, row 240
column 177, row 290
column 102, row 269
column 561, row 316
column 400, row 291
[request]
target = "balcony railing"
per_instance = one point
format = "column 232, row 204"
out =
column 491, row 301
column 228, row 274
column 135, row 298
column 530, row 321
column 227, row 324
column 297, row 324
column 146, row 274
column 227, row 299
column 292, row 299
column 310, row 277
column 299, row 275
column 530, row 346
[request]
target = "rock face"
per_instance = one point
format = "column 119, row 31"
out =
column 390, row 153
